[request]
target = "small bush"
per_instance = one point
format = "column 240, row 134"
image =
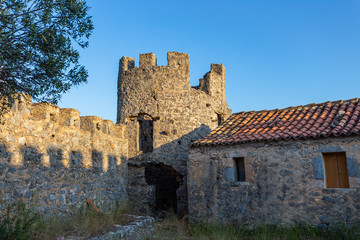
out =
column 19, row 222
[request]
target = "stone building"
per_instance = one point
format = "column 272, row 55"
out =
column 163, row 114
column 299, row 164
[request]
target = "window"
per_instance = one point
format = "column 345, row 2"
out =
column 220, row 119
column 146, row 129
column 239, row 166
column 336, row 170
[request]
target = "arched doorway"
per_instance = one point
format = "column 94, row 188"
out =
column 166, row 181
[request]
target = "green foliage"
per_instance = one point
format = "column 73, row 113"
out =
column 18, row 222
column 36, row 46
column 174, row 228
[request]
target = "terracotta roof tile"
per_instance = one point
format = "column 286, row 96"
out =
column 339, row 118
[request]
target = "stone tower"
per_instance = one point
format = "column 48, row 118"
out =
column 163, row 115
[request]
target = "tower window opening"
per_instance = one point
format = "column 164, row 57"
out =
column 146, row 132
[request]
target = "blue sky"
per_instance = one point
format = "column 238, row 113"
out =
column 276, row 53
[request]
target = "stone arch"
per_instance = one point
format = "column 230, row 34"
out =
column 144, row 132
column 166, row 180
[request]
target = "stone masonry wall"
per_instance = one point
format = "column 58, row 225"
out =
column 284, row 183
column 53, row 159
column 179, row 113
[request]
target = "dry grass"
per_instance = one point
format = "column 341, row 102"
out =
column 18, row 222
column 86, row 224
column 172, row 228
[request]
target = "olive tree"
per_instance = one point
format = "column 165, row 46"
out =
column 39, row 42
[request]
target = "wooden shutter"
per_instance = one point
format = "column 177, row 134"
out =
column 343, row 173
column 336, row 170
column 332, row 180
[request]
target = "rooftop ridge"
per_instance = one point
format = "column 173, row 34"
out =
column 352, row 100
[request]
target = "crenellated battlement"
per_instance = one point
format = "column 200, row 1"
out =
column 70, row 117
column 178, row 60
column 149, row 60
column 126, row 63
column 143, row 86
column 213, row 82
column 65, row 117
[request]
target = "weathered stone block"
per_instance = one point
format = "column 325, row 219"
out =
column 229, row 174
column 176, row 59
column 147, row 60
column 326, row 148
column 91, row 123
column 353, row 167
column 70, row 117
column 318, row 166
column 45, row 111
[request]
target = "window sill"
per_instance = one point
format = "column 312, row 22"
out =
column 334, row 190
column 236, row 184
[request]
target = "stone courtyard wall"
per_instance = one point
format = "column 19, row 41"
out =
column 180, row 114
column 54, row 160
column 284, row 183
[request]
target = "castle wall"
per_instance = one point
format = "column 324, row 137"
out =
column 285, row 183
column 53, row 159
column 180, row 114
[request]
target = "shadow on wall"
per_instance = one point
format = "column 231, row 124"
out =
column 31, row 157
column 61, row 188
column 157, row 179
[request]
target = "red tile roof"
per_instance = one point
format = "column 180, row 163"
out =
column 339, row 118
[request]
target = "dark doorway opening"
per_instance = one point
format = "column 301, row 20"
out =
column 166, row 181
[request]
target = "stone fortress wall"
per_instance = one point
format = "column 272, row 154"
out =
column 54, row 159
column 163, row 114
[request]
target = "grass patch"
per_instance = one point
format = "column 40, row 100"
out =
column 173, row 228
column 19, row 222
column 87, row 223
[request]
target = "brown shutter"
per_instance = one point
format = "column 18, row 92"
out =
column 331, row 170
column 342, row 170
column 336, row 170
